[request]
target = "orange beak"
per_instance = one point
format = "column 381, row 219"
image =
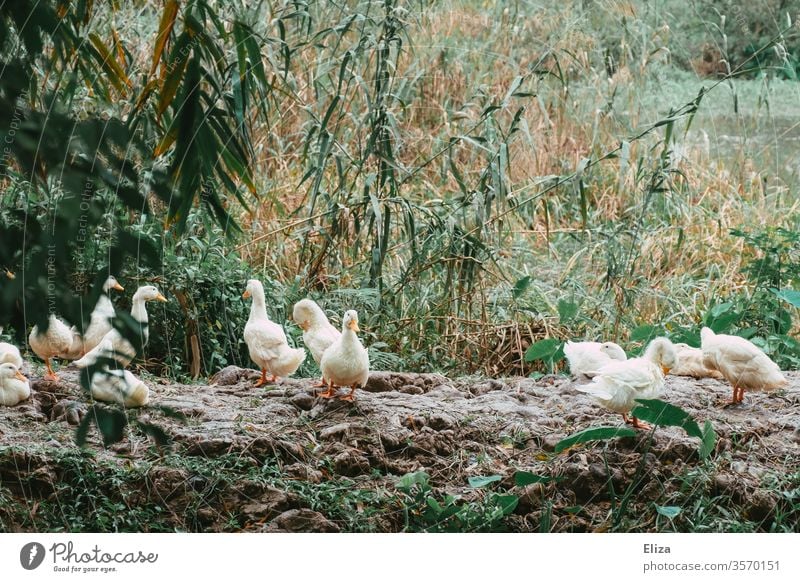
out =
column 353, row 325
column 304, row 325
column 161, row 298
column 665, row 369
column 118, row 287
column 246, row 294
column 19, row 376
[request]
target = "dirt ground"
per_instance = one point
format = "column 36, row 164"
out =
column 452, row 429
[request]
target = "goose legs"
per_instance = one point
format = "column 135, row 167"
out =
column 51, row 375
column 351, row 396
column 635, row 422
column 264, row 380
column 330, row 392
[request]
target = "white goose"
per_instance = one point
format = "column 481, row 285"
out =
column 14, row 387
column 318, row 333
column 116, row 346
column 346, row 362
column 618, row 384
column 9, row 354
column 690, row 363
column 56, row 340
column 99, row 324
column 741, row 363
column 266, row 340
column 586, row 358
column 121, row 387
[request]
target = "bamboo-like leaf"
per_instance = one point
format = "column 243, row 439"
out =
column 116, row 75
column 164, row 31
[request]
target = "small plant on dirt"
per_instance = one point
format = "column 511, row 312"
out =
column 424, row 510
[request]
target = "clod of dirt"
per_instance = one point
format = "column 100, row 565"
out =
column 530, row 498
column 351, row 463
column 303, row 400
column 302, row 520
column 212, row 447
column 270, row 504
column 379, row 382
column 231, row 375
column 70, row 410
column 303, row 473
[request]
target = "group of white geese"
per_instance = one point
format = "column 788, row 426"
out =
column 616, row 381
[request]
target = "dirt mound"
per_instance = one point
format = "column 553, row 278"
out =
column 283, row 459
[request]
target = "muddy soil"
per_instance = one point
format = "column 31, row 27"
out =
column 452, row 429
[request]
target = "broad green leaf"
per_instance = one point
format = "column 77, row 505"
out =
column 507, row 503
column 601, row 433
column 644, row 333
column 670, row 511
column 708, row 441
column 521, row 286
column 523, row 478
column 662, row 413
column 789, row 295
column 409, row 480
column 567, row 310
column 478, row 482
column 544, row 349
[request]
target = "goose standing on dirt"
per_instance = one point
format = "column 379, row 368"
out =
column 741, row 363
column 586, row 358
column 113, row 343
column 318, row 333
column 14, row 387
column 346, row 362
column 618, row 384
column 266, row 340
column 99, row 323
column 121, row 387
column 56, row 340
column 690, row 363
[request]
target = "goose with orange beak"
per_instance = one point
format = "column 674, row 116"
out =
column 113, row 344
column 266, row 341
column 346, row 361
column 14, row 387
column 318, row 333
column 618, row 384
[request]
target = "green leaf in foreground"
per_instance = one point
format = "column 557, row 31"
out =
column 521, row 286
column 478, row 482
column 523, row 478
column 111, row 423
column 662, row 413
column 791, row 296
column 567, row 310
column 708, row 440
column 600, row 433
column 670, row 511
column 544, row 349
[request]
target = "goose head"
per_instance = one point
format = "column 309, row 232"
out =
column 307, row 314
column 8, row 371
column 662, row 352
column 254, row 287
column 112, row 283
column 148, row 293
column 613, row 351
column 350, row 321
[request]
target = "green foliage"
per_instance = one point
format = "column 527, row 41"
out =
column 425, row 511
column 600, row 433
column 662, row 413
